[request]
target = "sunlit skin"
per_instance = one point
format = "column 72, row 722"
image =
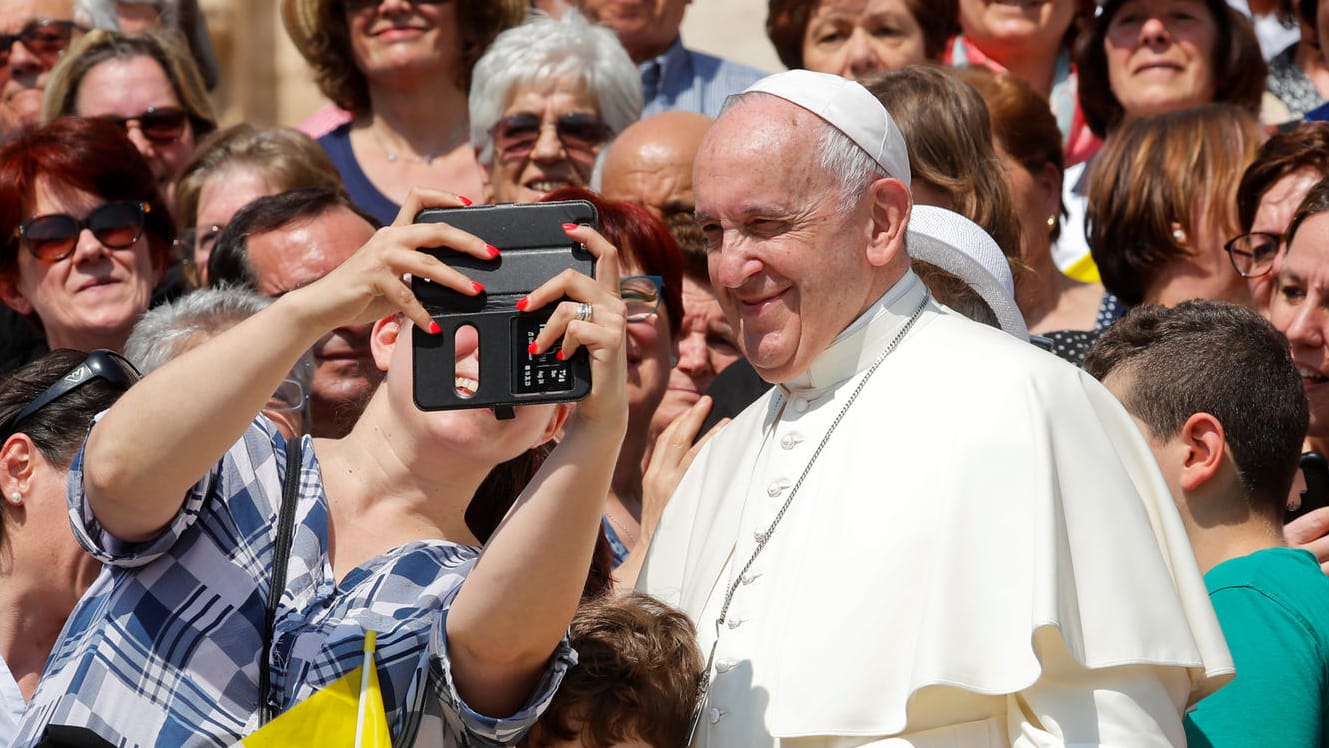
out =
column 1204, row 272
column 128, row 88
column 1273, row 214
column 550, row 165
column 295, row 256
column 651, row 161
column 1299, row 308
column 646, row 28
column 25, row 79
column 219, row 199
column 853, row 38
column 397, row 41
column 1160, row 55
column 92, row 298
column 1023, row 37
column 706, row 346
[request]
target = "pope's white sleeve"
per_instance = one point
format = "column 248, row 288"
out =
column 1129, row 706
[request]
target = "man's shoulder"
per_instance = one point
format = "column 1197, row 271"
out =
column 710, row 67
column 1289, row 577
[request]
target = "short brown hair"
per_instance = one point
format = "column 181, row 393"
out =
column 951, row 149
column 637, row 673
column 787, row 26
column 1305, row 146
column 1239, row 68
column 1217, row 358
column 328, row 49
column 1160, row 170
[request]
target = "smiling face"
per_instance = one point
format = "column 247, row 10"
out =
column 853, row 38
column 93, row 297
column 129, row 88
column 24, row 79
column 550, row 164
column 1160, row 55
column 706, row 346
column 1299, row 309
column 1005, row 28
column 394, row 43
column 790, row 269
column 1272, row 215
column 650, row 350
column 299, row 254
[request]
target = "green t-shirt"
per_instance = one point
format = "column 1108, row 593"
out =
column 1273, row 606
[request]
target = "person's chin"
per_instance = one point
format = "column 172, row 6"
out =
column 26, row 105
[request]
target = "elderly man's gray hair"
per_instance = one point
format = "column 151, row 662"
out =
column 170, row 329
column 546, row 49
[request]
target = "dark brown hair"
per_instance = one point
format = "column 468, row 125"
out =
column 1239, row 68
column 1217, row 358
column 787, row 26
column 637, row 674
column 1305, row 146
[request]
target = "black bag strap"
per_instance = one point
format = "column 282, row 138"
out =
column 281, row 555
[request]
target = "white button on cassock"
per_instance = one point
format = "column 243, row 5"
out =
column 714, row 715
column 724, row 666
column 800, row 405
column 790, row 441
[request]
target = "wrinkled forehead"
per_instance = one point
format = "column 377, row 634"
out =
column 14, row 14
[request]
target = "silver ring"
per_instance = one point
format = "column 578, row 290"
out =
column 584, row 311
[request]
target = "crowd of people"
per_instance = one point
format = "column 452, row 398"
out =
column 966, row 384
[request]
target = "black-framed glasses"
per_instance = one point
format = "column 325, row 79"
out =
column 641, row 294
column 515, row 135
column 52, row 237
column 1253, row 254
column 161, row 125
column 100, row 364
column 359, row 6
column 44, row 37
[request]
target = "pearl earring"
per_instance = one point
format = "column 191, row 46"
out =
column 16, row 498
column 1179, row 235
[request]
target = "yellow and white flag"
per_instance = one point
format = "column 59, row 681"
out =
column 347, row 713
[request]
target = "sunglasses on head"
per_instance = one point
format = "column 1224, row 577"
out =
column 160, row 125
column 100, row 364
column 52, row 237
column 357, row 6
column 45, row 38
column 515, row 135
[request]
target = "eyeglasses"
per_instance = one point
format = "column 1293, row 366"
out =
column 289, row 397
column 200, row 238
column 641, row 294
column 45, row 38
column 52, row 237
column 1253, row 254
column 359, row 6
column 159, row 124
column 515, row 135
column 100, row 364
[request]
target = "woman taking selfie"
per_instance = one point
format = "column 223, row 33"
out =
column 179, row 490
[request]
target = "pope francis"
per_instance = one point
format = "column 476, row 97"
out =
column 930, row 533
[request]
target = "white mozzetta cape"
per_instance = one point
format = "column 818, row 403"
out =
column 984, row 554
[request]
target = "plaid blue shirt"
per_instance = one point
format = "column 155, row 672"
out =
column 163, row 650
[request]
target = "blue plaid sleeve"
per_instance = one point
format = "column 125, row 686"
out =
column 260, row 444
column 478, row 729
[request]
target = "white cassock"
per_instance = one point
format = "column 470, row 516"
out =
column 984, row 554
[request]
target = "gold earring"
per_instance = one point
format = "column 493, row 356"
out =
column 1052, row 221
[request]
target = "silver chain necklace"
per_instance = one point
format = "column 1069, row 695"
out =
column 764, row 537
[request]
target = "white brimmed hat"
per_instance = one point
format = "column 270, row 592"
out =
column 848, row 107
column 962, row 248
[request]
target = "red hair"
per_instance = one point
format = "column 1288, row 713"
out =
column 641, row 238
column 89, row 155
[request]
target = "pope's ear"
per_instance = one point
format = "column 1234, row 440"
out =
column 383, row 339
column 890, row 217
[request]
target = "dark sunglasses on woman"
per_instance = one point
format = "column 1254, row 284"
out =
column 516, row 134
column 45, row 38
column 158, row 124
column 100, row 364
column 52, row 237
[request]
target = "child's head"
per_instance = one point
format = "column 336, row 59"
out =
column 635, row 682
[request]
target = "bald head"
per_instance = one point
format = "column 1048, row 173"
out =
column 650, row 162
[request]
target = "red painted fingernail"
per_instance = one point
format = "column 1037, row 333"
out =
column 434, row 327
column 478, row 286
column 570, row 226
column 493, row 251
column 532, row 348
column 559, row 355
column 522, row 302
column 465, row 200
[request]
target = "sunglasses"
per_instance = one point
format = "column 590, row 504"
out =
column 160, row 125
column 45, row 38
column 641, row 294
column 52, row 237
column 1253, row 254
column 100, row 364
column 359, row 6
column 515, row 135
